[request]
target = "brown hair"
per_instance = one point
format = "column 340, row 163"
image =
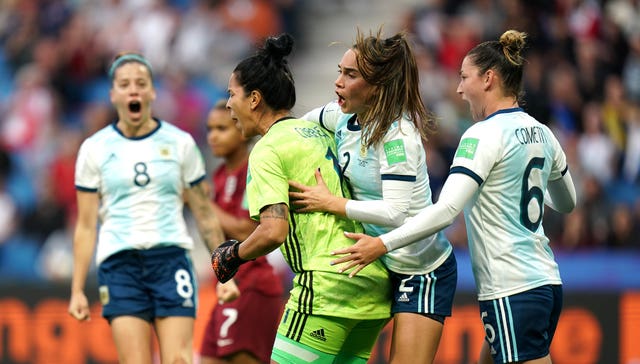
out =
column 504, row 56
column 127, row 57
column 390, row 66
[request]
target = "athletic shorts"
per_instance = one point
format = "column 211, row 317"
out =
column 149, row 283
column 428, row 294
column 520, row 327
column 248, row 323
column 324, row 339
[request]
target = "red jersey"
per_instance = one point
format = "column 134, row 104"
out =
column 258, row 308
column 229, row 187
column 229, row 191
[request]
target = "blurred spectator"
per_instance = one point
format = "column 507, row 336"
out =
column 154, row 27
column 47, row 216
column 596, row 152
column 631, row 159
column 597, row 212
column 564, row 98
column 536, row 102
column 575, row 233
column 27, row 125
column 258, row 19
column 614, row 111
column 8, row 210
column 631, row 68
column 624, row 232
column 180, row 101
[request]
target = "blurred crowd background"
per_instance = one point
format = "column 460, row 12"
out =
column 582, row 79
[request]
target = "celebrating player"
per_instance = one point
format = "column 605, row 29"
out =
column 378, row 122
column 329, row 317
column 506, row 167
column 131, row 176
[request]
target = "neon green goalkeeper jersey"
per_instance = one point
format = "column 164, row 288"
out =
column 292, row 150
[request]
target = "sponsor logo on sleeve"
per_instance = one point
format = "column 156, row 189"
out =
column 395, row 151
column 467, row 148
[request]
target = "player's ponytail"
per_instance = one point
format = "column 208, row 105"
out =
column 504, row 56
column 268, row 72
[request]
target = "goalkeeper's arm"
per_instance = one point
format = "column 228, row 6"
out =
column 270, row 233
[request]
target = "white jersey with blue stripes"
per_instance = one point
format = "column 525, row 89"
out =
column 399, row 157
column 140, row 182
column 511, row 156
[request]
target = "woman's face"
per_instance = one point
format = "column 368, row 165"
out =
column 132, row 93
column 471, row 88
column 354, row 93
column 241, row 109
column 223, row 136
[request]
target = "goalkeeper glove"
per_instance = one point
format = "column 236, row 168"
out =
column 225, row 260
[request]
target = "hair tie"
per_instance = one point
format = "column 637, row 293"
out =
column 130, row 57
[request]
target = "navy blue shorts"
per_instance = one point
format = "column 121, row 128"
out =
column 429, row 294
column 520, row 327
column 151, row 283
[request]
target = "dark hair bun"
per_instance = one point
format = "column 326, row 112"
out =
column 278, row 47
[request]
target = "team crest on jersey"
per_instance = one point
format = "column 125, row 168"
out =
column 363, row 150
column 467, row 148
column 104, row 294
column 165, row 151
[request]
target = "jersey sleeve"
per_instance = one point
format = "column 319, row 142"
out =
column 193, row 163
column 87, row 174
column 477, row 152
column 267, row 183
column 327, row 116
column 400, row 154
column 559, row 167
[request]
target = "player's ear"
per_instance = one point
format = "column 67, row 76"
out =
column 489, row 78
column 254, row 99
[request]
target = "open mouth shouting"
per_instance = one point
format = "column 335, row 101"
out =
column 340, row 100
column 135, row 106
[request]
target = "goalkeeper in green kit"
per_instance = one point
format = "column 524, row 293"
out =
column 329, row 317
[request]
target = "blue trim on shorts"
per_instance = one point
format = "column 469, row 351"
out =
column 521, row 327
column 428, row 294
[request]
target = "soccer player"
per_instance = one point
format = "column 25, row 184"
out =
column 329, row 317
column 379, row 123
column 506, row 167
column 251, row 301
column 131, row 177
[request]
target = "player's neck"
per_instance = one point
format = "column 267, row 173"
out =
column 237, row 159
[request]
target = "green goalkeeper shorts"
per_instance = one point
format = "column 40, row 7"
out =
column 324, row 339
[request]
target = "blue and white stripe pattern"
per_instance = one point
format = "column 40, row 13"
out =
column 506, row 332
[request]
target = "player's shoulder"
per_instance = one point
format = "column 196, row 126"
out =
column 101, row 136
column 171, row 128
column 403, row 127
column 170, row 131
column 332, row 117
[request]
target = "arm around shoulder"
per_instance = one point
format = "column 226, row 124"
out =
column 456, row 192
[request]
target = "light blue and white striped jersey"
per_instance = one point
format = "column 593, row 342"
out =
column 512, row 157
column 140, row 182
column 400, row 157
